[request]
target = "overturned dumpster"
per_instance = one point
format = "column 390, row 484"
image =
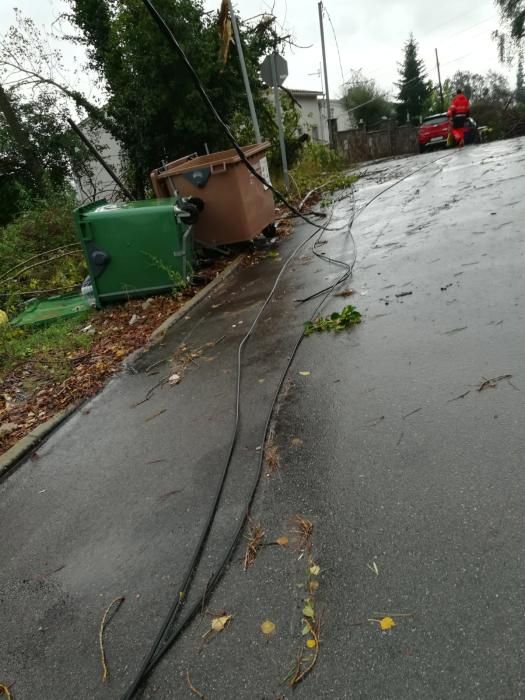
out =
column 136, row 249
column 237, row 206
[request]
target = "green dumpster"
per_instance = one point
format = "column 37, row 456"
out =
column 134, row 249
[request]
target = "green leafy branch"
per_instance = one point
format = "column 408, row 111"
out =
column 338, row 321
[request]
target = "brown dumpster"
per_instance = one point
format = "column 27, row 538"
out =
column 237, row 206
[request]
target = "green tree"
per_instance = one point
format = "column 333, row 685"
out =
column 520, row 82
column 38, row 153
column 492, row 87
column 365, row 102
column 155, row 111
column 414, row 89
column 513, row 14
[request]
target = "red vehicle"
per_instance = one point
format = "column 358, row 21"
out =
column 433, row 132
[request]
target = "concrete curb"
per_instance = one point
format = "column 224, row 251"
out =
column 159, row 333
column 21, row 449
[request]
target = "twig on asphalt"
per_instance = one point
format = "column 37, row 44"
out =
column 461, row 396
column 314, row 631
column 4, row 690
column 155, row 415
column 192, row 687
column 412, row 413
column 165, row 496
column 373, row 423
column 116, row 602
column 255, row 536
column 155, row 364
column 150, row 392
column 400, row 439
column 492, row 382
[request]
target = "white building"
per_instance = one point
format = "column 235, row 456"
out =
column 99, row 184
column 313, row 114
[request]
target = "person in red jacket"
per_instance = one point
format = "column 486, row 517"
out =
column 461, row 108
column 458, row 112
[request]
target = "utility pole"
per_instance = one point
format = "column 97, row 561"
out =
column 279, row 117
column 440, row 85
column 244, row 72
column 327, row 92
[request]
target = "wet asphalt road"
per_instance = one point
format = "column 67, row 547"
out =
column 375, row 447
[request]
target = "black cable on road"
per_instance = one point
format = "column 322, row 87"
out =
column 165, row 644
column 160, row 644
column 361, row 210
column 166, row 637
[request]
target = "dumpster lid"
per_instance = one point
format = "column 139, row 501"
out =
column 41, row 311
column 229, row 157
column 103, row 206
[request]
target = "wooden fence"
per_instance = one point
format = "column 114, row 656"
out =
column 357, row 145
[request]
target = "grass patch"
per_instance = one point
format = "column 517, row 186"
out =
column 49, row 346
column 39, row 252
column 317, row 167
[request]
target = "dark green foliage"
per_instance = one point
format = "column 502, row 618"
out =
column 155, row 110
column 414, row 89
column 365, row 101
column 54, row 146
column 520, row 82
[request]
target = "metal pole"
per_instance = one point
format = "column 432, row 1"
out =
column 279, row 117
column 101, row 160
column 440, row 85
column 244, row 72
column 327, row 92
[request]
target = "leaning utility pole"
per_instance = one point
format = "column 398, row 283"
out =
column 279, row 117
column 244, row 72
column 440, row 85
column 327, row 92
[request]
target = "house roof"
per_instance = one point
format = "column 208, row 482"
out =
column 305, row 93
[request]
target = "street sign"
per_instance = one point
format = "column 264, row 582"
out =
column 281, row 68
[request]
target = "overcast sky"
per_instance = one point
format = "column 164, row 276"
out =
column 370, row 35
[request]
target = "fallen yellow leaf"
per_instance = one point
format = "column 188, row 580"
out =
column 313, row 586
column 311, row 643
column 267, row 627
column 315, row 570
column 283, row 540
column 304, row 374
column 387, row 623
column 219, row 623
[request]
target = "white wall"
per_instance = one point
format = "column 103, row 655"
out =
column 100, row 185
column 313, row 117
